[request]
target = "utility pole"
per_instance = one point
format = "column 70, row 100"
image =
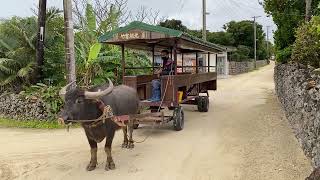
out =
column 308, row 10
column 204, row 20
column 69, row 41
column 40, row 38
column 255, row 40
column 268, row 51
column 204, row 30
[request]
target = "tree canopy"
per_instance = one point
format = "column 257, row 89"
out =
column 237, row 34
column 287, row 15
column 174, row 24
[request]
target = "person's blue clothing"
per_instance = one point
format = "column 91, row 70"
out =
column 156, row 90
column 167, row 69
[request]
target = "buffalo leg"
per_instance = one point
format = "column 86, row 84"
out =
column 130, row 128
column 109, row 164
column 93, row 161
column 125, row 137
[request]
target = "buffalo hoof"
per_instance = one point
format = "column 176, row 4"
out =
column 124, row 145
column 110, row 166
column 91, row 166
column 130, row 145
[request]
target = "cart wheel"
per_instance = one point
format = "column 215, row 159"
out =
column 178, row 119
column 135, row 126
column 203, row 104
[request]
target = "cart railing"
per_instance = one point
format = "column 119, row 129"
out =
column 208, row 68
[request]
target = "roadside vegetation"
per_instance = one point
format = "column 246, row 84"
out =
column 295, row 39
column 10, row 123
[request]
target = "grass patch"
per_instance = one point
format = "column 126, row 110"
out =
column 36, row 124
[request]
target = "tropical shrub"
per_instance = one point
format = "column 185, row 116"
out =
column 288, row 16
column 48, row 94
column 18, row 52
column 54, row 58
column 284, row 55
column 306, row 49
column 17, row 46
column 242, row 54
column 96, row 62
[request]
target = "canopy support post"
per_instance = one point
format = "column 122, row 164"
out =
column 123, row 62
column 197, row 63
column 208, row 62
column 182, row 58
column 175, row 56
column 217, row 63
column 153, row 59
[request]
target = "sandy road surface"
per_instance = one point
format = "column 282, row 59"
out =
column 244, row 136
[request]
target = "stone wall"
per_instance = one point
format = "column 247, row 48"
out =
column 15, row 106
column 245, row 66
column 298, row 91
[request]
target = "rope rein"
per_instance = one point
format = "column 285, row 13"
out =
column 107, row 113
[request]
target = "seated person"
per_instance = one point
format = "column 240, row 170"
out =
column 168, row 68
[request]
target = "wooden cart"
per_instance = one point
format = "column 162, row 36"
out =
column 185, row 86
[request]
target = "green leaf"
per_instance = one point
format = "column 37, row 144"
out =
column 25, row 71
column 4, row 67
column 4, row 44
column 94, row 52
column 41, row 84
column 8, row 80
column 91, row 18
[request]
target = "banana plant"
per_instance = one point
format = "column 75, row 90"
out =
column 89, row 59
column 97, row 62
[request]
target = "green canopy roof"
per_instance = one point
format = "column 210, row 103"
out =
column 166, row 33
column 142, row 26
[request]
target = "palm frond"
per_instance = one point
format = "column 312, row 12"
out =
column 25, row 71
column 6, row 45
column 6, row 66
column 23, row 34
column 52, row 12
column 9, row 80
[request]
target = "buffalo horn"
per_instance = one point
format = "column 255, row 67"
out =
column 97, row 95
column 63, row 90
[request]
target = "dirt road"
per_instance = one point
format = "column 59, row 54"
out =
column 244, row 137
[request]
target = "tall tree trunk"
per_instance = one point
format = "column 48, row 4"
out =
column 308, row 10
column 40, row 39
column 69, row 41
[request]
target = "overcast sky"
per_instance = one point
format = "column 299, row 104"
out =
column 189, row 11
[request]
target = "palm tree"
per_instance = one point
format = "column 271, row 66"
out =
column 18, row 49
column 17, row 44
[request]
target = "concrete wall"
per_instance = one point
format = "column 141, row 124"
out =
column 301, row 103
column 245, row 66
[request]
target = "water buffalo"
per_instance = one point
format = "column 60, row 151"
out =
column 83, row 105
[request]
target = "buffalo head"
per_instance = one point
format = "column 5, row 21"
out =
column 81, row 104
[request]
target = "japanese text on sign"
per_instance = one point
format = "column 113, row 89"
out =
column 130, row 35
